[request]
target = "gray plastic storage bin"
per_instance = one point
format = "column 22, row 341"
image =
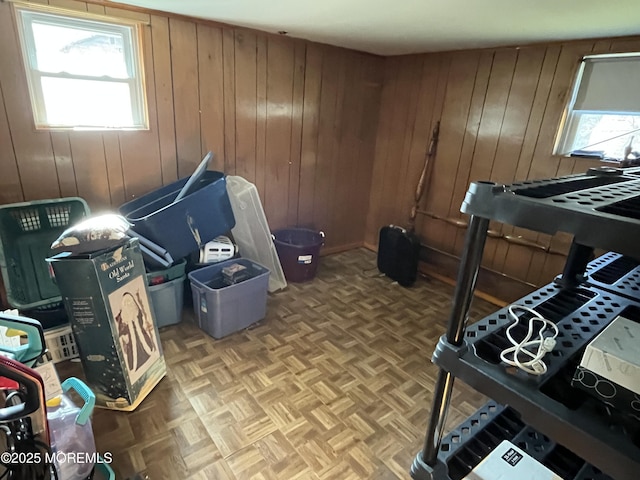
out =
column 222, row 309
column 167, row 300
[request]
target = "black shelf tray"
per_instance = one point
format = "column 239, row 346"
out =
column 610, row 440
column 469, row 443
column 600, row 210
column 615, row 273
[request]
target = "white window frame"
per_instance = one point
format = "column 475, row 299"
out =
column 130, row 32
column 569, row 123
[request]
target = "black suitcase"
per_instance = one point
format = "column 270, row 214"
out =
column 398, row 254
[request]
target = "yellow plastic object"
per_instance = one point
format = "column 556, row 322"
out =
column 14, row 332
column 54, row 402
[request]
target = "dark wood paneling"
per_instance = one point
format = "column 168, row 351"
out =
column 246, row 104
column 280, row 68
column 427, row 113
column 33, row 150
column 500, row 112
column 113, row 159
column 489, row 282
column 346, row 169
column 186, row 94
column 164, row 97
column 333, row 139
column 261, row 114
column 10, row 189
column 490, row 130
column 296, row 132
column 310, row 119
column 140, row 151
column 375, row 218
column 335, row 179
column 326, row 131
column 64, row 164
column 228, row 82
column 459, row 92
column 461, row 181
column 512, row 133
column 90, row 168
column 267, row 106
column 511, row 258
column 211, row 96
column 371, row 83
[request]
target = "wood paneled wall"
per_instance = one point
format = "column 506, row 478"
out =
column 332, row 138
column 298, row 119
column 499, row 112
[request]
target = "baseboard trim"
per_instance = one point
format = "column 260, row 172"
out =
column 370, row 246
column 339, row 248
column 492, row 286
column 490, row 283
column 425, row 269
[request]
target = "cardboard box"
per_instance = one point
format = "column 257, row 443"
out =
column 508, row 462
column 610, row 367
column 107, row 300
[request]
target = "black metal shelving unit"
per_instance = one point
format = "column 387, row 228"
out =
column 602, row 210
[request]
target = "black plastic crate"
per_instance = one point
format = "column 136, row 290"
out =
column 555, row 308
column 567, row 186
column 628, row 208
column 579, row 313
column 470, row 442
column 598, row 209
column 615, row 273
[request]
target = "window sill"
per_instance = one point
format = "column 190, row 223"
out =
column 614, row 162
column 91, row 129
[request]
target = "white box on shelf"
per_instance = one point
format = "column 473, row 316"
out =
column 508, row 462
column 615, row 354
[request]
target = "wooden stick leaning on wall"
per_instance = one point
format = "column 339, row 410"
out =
column 420, row 188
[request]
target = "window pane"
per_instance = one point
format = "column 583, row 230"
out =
column 78, row 51
column 88, row 103
column 610, row 134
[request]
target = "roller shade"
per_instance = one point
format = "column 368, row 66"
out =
column 609, row 84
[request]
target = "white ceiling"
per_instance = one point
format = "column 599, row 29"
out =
column 392, row 27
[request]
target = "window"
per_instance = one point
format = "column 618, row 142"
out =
column 82, row 73
column 603, row 115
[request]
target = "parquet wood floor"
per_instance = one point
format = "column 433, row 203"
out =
column 335, row 383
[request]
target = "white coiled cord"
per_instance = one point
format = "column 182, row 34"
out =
column 535, row 349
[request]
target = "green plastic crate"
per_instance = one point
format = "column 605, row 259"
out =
column 156, row 277
column 27, row 231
